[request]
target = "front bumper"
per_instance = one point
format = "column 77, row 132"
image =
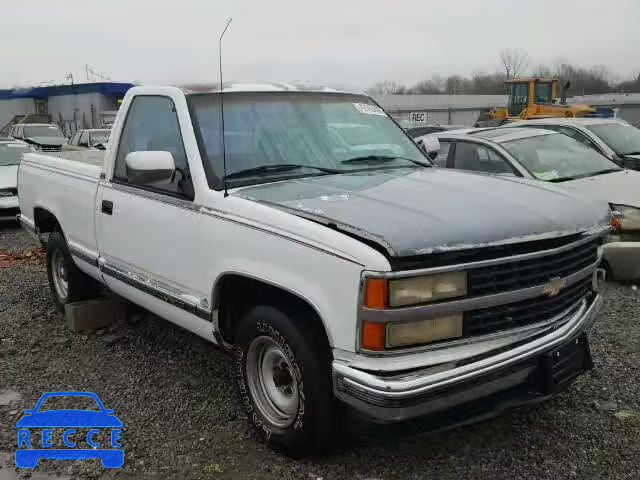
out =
column 9, row 208
column 405, row 395
column 622, row 254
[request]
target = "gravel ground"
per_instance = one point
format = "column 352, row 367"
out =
column 182, row 419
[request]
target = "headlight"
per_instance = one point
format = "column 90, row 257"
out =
column 382, row 293
column 378, row 336
column 625, row 217
column 424, row 331
column 412, row 291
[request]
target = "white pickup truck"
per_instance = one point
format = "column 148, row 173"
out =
column 321, row 249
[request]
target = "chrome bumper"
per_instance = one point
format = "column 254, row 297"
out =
column 396, row 397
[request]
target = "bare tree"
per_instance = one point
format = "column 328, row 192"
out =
column 541, row 71
column 426, row 87
column 514, row 61
column 388, row 87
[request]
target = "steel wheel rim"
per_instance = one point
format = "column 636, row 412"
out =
column 60, row 275
column 272, row 383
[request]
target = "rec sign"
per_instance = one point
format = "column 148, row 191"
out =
column 418, row 117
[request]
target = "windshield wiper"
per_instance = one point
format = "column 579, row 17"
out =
column 629, row 153
column 584, row 175
column 279, row 167
column 381, row 159
column 606, row 170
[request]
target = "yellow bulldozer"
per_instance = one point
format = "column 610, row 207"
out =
column 534, row 98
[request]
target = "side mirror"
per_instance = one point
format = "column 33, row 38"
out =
column 150, row 168
column 431, row 145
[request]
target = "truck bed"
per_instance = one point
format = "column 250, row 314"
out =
column 64, row 186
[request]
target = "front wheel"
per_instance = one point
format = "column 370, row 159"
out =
column 67, row 283
column 282, row 370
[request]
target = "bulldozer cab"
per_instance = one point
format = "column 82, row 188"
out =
column 525, row 92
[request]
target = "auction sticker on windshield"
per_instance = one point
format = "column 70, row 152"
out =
column 369, row 109
column 69, row 433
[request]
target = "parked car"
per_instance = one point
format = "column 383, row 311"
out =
column 11, row 152
column 415, row 132
column 46, row 137
column 330, row 275
column 94, row 138
column 535, row 153
column 614, row 138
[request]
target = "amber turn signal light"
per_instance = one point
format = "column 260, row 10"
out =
column 373, row 335
column 376, row 293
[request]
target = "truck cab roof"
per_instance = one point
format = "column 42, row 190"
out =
column 229, row 87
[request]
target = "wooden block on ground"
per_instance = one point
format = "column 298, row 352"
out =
column 93, row 314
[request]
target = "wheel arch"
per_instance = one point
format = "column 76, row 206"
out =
column 45, row 220
column 235, row 292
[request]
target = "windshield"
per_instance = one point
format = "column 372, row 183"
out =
column 312, row 130
column 543, row 92
column 11, row 153
column 99, row 137
column 557, row 157
column 42, row 131
column 621, row 138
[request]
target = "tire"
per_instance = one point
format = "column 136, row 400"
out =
column 268, row 345
column 79, row 286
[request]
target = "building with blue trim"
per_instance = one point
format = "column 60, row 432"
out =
column 83, row 105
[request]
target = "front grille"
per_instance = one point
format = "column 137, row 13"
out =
column 10, row 191
column 525, row 312
column 505, row 277
column 50, row 148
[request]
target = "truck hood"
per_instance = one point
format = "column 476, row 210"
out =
column 617, row 187
column 53, row 141
column 413, row 212
column 8, row 176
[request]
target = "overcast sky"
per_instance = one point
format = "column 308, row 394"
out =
column 350, row 42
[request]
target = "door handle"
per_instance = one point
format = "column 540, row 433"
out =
column 107, row 207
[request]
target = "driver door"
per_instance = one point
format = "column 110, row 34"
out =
column 148, row 233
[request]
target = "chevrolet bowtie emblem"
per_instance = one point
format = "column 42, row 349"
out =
column 554, row 286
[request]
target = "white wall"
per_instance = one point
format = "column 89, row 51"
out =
column 13, row 107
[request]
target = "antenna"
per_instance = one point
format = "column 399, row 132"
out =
column 224, row 154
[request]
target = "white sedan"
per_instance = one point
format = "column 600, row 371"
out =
column 10, row 155
column 537, row 154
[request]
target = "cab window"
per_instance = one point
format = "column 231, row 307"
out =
column 519, row 98
column 543, row 93
column 152, row 125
